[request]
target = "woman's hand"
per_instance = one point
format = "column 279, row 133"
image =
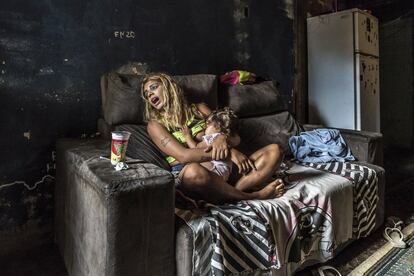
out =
column 242, row 162
column 219, row 147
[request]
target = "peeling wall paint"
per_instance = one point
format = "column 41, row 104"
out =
column 27, row 135
column 241, row 34
column 289, row 8
column 46, row 71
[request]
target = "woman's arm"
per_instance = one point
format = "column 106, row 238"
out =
column 233, row 140
column 170, row 146
column 202, row 145
column 243, row 163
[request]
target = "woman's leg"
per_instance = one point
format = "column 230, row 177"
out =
column 200, row 183
column 266, row 160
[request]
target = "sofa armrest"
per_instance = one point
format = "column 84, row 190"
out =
column 112, row 222
column 366, row 146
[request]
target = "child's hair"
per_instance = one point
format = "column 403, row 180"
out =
column 225, row 120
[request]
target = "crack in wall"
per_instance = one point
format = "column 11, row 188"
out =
column 28, row 187
column 50, row 167
column 27, row 202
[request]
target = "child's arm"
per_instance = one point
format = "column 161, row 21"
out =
column 189, row 138
column 202, row 145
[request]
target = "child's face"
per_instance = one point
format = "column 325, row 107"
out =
column 211, row 128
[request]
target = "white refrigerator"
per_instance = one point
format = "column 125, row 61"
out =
column 343, row 70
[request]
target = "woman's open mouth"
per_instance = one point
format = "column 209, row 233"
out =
column 154, row 100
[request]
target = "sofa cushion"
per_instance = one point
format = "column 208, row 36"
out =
column 252, row 100
column 261, row 131
column 199, row 88
column 122, row 102
column 140, row 146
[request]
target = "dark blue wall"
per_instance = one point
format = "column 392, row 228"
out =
column 52, row 54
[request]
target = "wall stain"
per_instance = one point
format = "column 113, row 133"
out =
column 22, row 201
column 46, row 71
column 289, row 8
column 27, row 135
column 241, row 32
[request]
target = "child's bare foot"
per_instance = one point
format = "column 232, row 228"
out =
column 274, row 189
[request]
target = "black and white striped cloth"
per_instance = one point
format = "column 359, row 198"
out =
column 365, row 192
column 238, row 240
column 203, row 246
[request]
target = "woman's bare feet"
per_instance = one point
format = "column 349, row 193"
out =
column 274, row 189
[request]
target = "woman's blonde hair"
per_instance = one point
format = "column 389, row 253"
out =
column 176, row 111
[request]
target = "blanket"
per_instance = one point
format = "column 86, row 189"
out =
column 365, row 193
column 230, row 239
column 324, row 206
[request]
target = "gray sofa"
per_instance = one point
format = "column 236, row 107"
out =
column 123, row 223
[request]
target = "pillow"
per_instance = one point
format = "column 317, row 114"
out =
column 121, row 98
column 199, row 88
column 252, row 100
column 122, row 102
column 258, row 132
column 140, row 146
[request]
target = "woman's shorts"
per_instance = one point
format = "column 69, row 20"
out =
column 175, row 170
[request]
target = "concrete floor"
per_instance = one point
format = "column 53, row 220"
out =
column 45, row 260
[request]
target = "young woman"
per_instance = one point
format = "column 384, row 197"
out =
column 167, row 112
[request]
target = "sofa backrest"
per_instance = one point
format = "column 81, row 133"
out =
column 252, row 100
column 263, row 114
column 277, row 128
column 122, row 102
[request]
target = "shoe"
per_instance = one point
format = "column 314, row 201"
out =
column 394, row 222
column 395, row 237
column 326, row 270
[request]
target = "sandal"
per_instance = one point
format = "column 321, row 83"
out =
column 395, row 237
column 394, row 222
column 322, row 271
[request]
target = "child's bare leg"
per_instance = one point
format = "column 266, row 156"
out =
column 266, row 160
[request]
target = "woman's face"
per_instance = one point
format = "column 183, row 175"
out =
column 153, row 92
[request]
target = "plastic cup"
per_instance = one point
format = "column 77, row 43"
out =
column 118, row 146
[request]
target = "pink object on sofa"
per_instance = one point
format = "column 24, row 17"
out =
column 238, row 77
